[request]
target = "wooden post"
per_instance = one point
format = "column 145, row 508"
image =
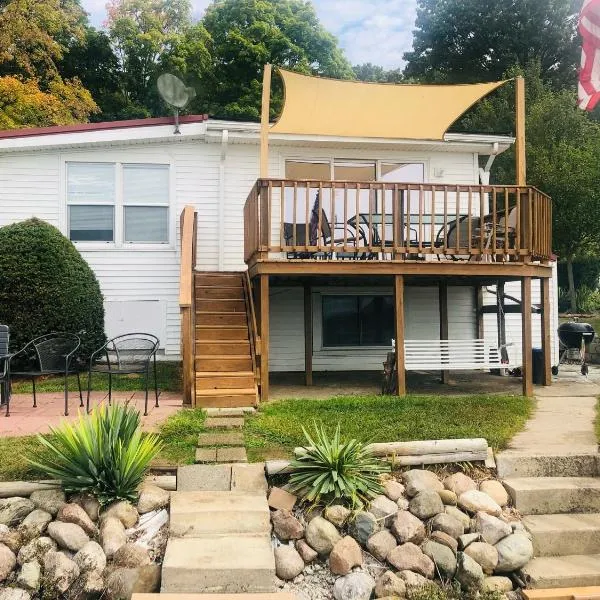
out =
column 264, row 337
column 399, row 321
column 526, row 336
column 546, row 341
column 308, row 336
column 443, row 306
column 480, row 328
column 501, row 321
column 520, row 166
column 264, row 122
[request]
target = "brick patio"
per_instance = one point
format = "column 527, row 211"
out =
column 26, row 420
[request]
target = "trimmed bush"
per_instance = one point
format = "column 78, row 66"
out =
column 46, row 286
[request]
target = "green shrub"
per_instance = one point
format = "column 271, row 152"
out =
column 450, row 591
column 46, row 286
column 332, row 469
column 104, row 453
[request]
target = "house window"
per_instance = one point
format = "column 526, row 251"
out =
column 134, row 211
column 357, row 320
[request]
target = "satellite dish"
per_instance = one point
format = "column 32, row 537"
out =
column 175, row 93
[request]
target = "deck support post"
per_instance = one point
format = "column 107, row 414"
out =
column 443, row 306
column 479, row 323
column 501, row 323
column 526, row 360
column 308, row 336
column 399, row 325
column 546, row 340
column 263, row 282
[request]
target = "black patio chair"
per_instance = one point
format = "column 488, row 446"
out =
column 49, row 354
column 125, row 355
column 4, row 367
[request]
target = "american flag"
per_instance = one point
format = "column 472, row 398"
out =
column 589, row 76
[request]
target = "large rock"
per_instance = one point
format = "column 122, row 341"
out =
column 514, row 552
column 34, row 524
column 288, row 562
column 29, row 576
column 89, row 504
column 14, row 510
column 495, row 490
column 8, row 561
column 286, row 526
column 475, row 501
column 458, row 514
column 410, row 557
column 337, row 514
column 447, row 540
column 468, row 573
column 112, row 535
column 345, row 555
column 448, row 497
column 88, row 585
column 393, row 489
column 14, row 594
column 363, row 526
column 448, row 524
column 483, row 554
column 11, row 538
column 497, row 583
column 68, row 535
column 322, row 536
column 152, row 498
column 443, row 558
column 36, row 550
column 468, row 538
column 122, row 510
column 426, row 504
column 131, row 556
column 60, row 571
column 383, row 509
column 90, row 558
column 459, row 483
column 355, row 586
column 48, row 500
column 73, row 513
column 419, row 480
column 491, row 528
column 389, row 584
column 408, row 528
column 414, row 581
column 122, row 582
column 305, row 551
column 380, row 544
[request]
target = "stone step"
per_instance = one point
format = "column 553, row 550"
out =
column 229, row 565
column 220, row 438
column 518, row 464
column 574, row 570
column 264, row 596
column 553, row 495
column 224, row 422
column 239, row 411
column 202, row 514
column 561, row 535
column 221, row 455
column 207, row 478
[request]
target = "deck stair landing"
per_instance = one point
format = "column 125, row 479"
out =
column 223, row 359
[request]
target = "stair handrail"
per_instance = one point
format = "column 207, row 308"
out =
column 252, row 327
column 188, row 223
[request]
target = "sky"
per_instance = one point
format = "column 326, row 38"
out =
column 376, row 31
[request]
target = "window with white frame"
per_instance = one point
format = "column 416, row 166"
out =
column 123, row 203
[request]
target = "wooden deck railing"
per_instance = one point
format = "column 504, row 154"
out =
column 296, row 219
column 188, row 225
column 252, row 327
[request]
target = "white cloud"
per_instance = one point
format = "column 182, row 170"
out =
column 376, row 31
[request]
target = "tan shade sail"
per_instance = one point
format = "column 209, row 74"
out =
column 317, row 106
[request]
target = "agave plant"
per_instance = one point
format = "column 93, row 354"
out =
column 104, row 453
column 333, row 470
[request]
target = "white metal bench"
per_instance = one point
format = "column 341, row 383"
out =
column 446, row 355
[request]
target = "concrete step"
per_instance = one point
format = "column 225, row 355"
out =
column 553, row 495
column 264, row 596
column 518, row 464
column 575, row 570
column 561, row 535
column 224, row 422
column 221, row 455
column 221, row 438
column 226, row 565
column 201, row 514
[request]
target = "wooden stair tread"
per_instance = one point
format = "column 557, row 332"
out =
column 198, row 326
column 226, row 392
column 220, row 373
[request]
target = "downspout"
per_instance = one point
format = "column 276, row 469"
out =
column 221, row 212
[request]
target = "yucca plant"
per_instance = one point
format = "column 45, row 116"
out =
column 332, row 470
column 104, row 453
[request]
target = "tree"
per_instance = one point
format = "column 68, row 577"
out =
column 246, row 34
column 376, row 73
column 460, row 41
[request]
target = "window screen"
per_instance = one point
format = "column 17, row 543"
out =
column 358, row 320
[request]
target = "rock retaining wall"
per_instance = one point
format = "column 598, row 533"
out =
column 592, row 356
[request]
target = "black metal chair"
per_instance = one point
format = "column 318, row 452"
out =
column 125, row 355
column 5, row 367
column 49, row 354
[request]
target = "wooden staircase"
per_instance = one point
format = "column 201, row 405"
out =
column 224, row 356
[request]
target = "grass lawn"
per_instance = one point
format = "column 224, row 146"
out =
column 168, row 374
column 277, row 428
